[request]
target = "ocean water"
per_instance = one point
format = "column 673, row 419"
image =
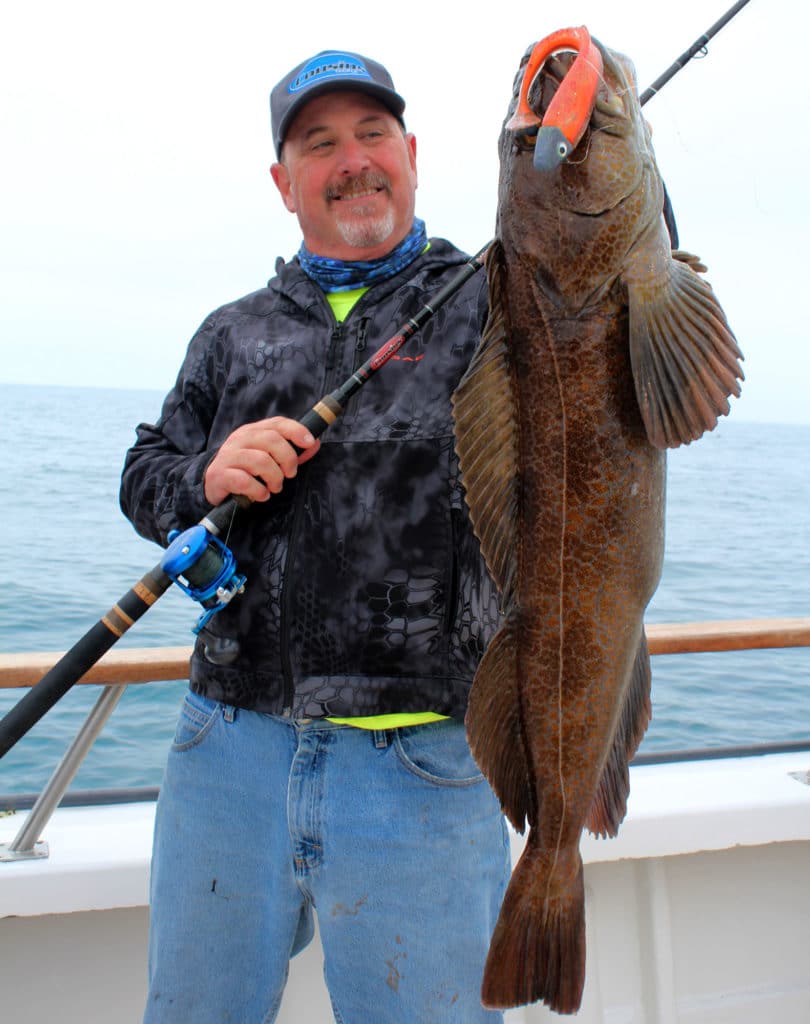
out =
column 738, row 546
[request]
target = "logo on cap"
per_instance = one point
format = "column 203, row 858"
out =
column 327, row 67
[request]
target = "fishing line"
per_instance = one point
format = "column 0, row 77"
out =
column 200, row 563
column 230, row 526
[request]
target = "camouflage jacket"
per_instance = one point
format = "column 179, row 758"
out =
column 366, row 593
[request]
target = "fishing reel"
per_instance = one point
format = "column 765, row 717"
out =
column 205, row 569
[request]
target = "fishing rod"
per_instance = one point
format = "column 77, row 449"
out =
column 196, row 559
column 696, row 47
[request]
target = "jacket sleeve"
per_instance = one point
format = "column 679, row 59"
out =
column 162, row 479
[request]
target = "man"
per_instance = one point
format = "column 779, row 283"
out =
column 320, row 759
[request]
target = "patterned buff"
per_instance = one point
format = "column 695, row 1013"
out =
column 343, row 275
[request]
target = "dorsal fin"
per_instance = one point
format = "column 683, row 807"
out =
column 486, row 428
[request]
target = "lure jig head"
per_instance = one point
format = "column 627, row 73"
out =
column 568, row 114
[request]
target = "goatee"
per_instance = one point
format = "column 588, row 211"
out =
column 364, row 233
column 361, row 228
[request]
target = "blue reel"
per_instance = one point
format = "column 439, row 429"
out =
column 202, row 566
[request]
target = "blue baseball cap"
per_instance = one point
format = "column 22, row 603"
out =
column 329, row 71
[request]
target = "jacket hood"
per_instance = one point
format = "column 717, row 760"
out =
column 291, row 281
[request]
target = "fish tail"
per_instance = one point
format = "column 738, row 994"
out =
column 538, row 947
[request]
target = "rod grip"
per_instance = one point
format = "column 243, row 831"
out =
column 82, row 656
column 221, row 516
column 322, row 415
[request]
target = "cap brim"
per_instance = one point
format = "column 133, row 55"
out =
column 389, row 99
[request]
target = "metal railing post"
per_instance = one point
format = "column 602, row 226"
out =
column 25, row 844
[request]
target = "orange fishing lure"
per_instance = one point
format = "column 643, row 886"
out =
column 570, row 110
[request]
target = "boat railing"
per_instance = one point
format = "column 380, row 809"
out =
column 121, row 667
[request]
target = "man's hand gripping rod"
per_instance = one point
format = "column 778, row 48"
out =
column 205, row 570
column 196, row 559
column 324, row 413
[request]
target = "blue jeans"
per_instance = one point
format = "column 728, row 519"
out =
column 393, row 837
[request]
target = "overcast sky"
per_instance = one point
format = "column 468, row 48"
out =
column 134, row 187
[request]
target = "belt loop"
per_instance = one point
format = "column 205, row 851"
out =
column 380, row 739
column 228, row 712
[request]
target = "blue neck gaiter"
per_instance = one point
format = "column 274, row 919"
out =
column 342, row 275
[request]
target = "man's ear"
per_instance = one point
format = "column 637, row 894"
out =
column 281, row 177
column 410, row 140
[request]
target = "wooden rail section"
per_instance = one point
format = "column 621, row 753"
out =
column 159, row 664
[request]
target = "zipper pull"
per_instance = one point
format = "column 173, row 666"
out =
column 362, row 336
column 334, row 341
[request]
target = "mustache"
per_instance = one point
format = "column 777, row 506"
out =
column 358, row 183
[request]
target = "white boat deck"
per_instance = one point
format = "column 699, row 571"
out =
column 698, row 913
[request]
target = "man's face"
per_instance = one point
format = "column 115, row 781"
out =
column 349, row 174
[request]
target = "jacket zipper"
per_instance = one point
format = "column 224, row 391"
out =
column 360, row 347
column 298, row 514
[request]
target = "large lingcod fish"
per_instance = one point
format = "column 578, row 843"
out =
column 603, row 348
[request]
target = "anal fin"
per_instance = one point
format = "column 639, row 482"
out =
column 610, row 800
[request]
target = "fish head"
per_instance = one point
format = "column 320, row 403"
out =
column 577, row 216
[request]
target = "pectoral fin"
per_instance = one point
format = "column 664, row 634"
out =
column 683, row 353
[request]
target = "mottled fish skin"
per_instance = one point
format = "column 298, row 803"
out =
column 602, row 349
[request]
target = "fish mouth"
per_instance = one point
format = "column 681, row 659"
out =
column 610, row 113
column 614, row 109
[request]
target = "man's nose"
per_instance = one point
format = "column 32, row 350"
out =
column 352, row 156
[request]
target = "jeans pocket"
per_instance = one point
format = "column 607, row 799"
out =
column 198, row 716
column 438, row 753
